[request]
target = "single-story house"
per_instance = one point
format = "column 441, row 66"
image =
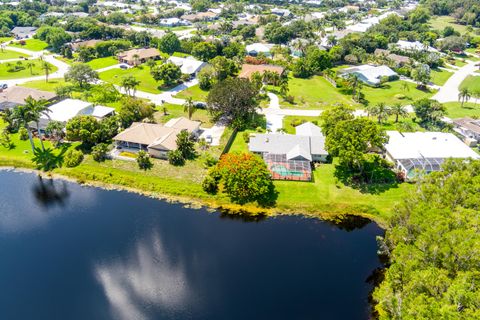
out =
column 249, row 69
column 173, row 22
column 424, row 151
column 138, row 56
column 413, row 46
column 281, row 12
column 467, row 127
column 189, row 65
column 67, row 109
column 154, row 138
column 399, row 60
column 200, row 16
column 371, row 75
column 256, row 48
column 289, row 156
column 23, row 32
column 87, row 44
column 15, row 96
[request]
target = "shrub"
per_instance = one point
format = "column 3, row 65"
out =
column 73, row 158
column 259, row 129
column 210, row 161
column 23, row 133
column 210, row 185
column 143, row 160
column 290, row 99
column 176, row 158
column 99, row 152
column 400, row 96
column 246, row 137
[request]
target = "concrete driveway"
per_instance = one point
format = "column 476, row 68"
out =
column 450, row 90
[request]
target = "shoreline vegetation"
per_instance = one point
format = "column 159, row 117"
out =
column 190, row 199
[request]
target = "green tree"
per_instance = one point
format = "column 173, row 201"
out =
column 176, row 158
column 22, row 115
column 81, row 74
column 234, row 100
column 223, row 67
column 55, row 129
column 38, row 108
column 330, row 117
column 143, row 160
column 169, row 43
column 99, row 152
column 185, row 145
column 429, row 111
column 47, row 68
column 204, row 51
column 464, row 95
column 200, row 5
column 398, row 111
column 421, row 75
column 132, row 110
column 73, row 158
column 46, row 160
column 350, row 140
column 168, row 72
column 85, row 129
column 381, row 111
column 129, row 85
column 206, row 78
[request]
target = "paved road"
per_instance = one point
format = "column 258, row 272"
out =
column 449, row 91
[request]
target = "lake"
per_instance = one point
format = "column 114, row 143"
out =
column 74, row 252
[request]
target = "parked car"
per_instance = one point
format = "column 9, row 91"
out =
column 200, row 105
column 3, row 86
column 124, row 66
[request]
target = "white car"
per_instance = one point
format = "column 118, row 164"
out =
column 3, row 86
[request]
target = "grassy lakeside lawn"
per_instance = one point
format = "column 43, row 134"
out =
column 175, row 111
column 330, row 197
column 101, row 63
column 32, row 45
column 9, row 54
column 194, row 92
column 439, row 76
column 25, row 73
column 472, row 83
column 142, row 73
column 440, row 22
column 314, row 93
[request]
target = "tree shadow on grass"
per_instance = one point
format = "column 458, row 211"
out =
column 375, row 181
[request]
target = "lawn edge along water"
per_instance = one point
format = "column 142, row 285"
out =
column 191, row 195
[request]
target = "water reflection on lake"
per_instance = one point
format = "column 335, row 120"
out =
column 70, row 252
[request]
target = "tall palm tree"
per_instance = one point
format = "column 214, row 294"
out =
column 189, row 107
column 30, row 65
column 399, row 111
column 352, row 82
column 284, row 86
column 464, row 95
column 47, row 68
column 38, row 108
column 381, row 111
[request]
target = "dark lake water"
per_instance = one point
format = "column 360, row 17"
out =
column 72, row 252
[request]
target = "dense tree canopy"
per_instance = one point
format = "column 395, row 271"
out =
column 433, row 242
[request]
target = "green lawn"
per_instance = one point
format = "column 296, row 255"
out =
column 142, row 73
column 45, row 86
column 194, row 92
column 288, row 120
column 314, row 93
column 472, row 83
column 37, row 70
column 8, row 54
column 440, row 22
column 5, row 39
column 439, row 76
column 32, row 44
column 101, row 63
column 469, row 109
column 393, row 92
column 175, row 111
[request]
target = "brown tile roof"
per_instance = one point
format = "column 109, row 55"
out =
column 142, row 54
column 249, row 69
column 468, row 123
column 199, row 16
column 18, row 95
column 87, row 44
column 183, row 123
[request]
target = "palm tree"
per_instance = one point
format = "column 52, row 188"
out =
column 47, row 68
column 464, row 95
column 55, row 128
column 189, row 107
column 130, row 84
column 381, row 111
column 284, row 86
column 22, row 116
column 352, row 82
column 30, row 65
column 135, row 59
column 38, row 108
column 399, row 111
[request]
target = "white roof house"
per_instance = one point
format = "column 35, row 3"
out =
column 425, row 151
column 369, row 74
column 188, row 65
column 67, row 109
column 413, row 46
column 255, row 48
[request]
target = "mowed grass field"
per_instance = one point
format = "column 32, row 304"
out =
column 440, row 22
column 194, row 92
column 142, row 73
column 31, row 44
column 6, row 71
column 9, row 54
column 472, row 83
column 101, row 63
